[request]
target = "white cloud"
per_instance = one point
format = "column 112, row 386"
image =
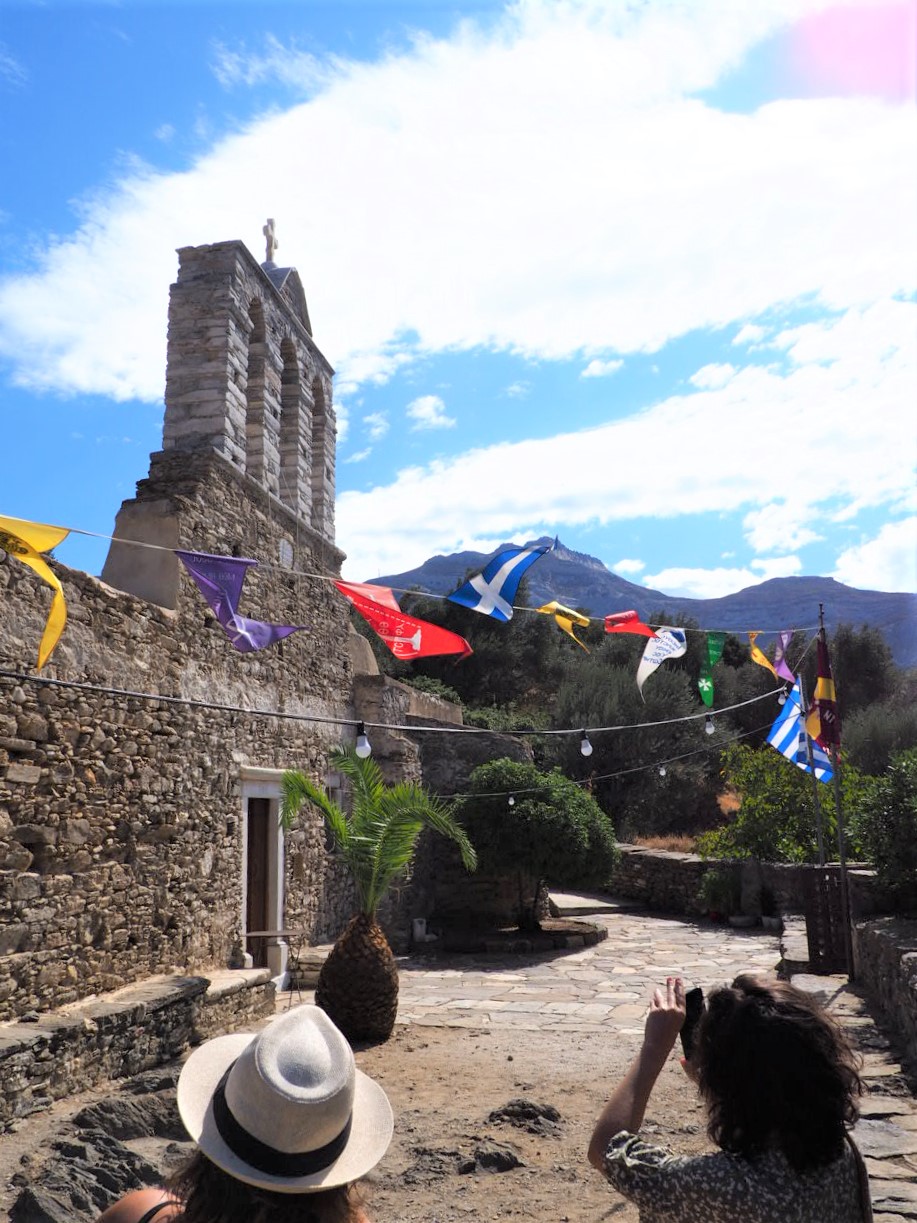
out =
column 888, row 562
column 626, row 565
column 751, row 333
column 376, row 425
column 780, row 526
column 359, row 456
column 696, row 194
column 429, row 412
column 690, row 454
column 518, row 390
column 712, row 377
column 713, row 583
column 165, row 132
column 11, row 70
column 290, row 66
column 600, row 369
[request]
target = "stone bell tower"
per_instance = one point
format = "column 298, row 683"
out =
column 245, row 382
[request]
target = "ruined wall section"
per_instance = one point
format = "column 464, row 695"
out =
column 121, row 850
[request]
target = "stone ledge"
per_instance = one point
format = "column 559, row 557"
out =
column 111, row 1036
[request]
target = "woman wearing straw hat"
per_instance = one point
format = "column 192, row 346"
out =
column 275, row 1117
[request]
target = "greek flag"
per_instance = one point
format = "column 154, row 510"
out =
column 788, row 736
column 492, row 591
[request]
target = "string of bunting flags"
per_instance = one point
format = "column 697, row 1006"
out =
column 220, row 579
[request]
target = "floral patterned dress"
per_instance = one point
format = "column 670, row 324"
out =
column 724, row 1188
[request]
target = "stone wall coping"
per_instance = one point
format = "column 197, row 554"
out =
column 232, row 981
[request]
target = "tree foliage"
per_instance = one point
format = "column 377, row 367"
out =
column 776, row 821
column 553, row 830
column 888, row 822
column 378, row 835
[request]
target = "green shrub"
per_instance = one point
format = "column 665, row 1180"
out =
column 776, row 821
column 888, row 823
column 553, row 830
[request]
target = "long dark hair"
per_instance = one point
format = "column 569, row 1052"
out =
column 776, row 1070
column 210, row 1195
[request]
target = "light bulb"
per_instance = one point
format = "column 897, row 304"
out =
column 511, row 801
column 364, row 747
column 662, row 770
column 584, row 745
column 709, row 727
column 781, row 699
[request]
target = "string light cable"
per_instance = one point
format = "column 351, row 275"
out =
column 357, row 723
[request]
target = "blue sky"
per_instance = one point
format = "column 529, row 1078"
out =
column 641, row 276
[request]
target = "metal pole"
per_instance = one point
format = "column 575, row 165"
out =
column 819, row 826
column 841, row 833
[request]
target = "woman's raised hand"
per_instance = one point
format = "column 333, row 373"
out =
column 666, row 1016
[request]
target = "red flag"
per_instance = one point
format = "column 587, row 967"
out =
column 823, row 721
column 404, row 635
column 627, row 622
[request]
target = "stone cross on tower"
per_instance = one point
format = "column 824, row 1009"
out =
column 271, row 239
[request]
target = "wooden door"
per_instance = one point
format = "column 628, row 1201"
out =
column 256, row 904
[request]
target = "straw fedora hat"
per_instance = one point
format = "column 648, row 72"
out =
column 287, row 1109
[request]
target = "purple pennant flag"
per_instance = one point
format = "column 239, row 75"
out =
column 219, row 579
column 780, row 648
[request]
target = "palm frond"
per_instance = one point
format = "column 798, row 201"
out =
column 378, row 836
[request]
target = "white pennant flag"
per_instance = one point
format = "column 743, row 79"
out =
column 668, row 643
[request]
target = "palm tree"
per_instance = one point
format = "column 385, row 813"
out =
column 358, row 983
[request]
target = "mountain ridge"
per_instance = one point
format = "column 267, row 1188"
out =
column 579, row 580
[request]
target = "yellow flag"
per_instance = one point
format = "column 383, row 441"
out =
column 759, row 657
column 26, row 541
column 566, row 618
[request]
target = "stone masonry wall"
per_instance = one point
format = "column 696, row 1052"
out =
column 121, row 848
column 885, row 953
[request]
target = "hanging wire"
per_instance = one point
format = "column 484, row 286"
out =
column 134, row 694
column 324, row 577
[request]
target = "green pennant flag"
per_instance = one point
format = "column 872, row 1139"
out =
column 715, row 643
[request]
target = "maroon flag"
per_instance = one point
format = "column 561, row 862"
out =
column 219, row 579
column 404, row 635
column 823, row 721
column 627, row 622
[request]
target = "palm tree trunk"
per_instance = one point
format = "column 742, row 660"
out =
column 358, row 984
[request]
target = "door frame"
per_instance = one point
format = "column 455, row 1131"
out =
column 266, row 783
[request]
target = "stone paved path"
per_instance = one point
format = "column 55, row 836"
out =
column 607, row 987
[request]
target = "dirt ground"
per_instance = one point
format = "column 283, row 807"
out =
column 444, row 1084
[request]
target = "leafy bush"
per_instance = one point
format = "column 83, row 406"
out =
column 776, row 821
column 872, row 736
column 553, row 830
column 434, row 687
column 720, row 891
column 888, row 823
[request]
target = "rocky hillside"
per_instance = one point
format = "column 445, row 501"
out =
column 583, row 581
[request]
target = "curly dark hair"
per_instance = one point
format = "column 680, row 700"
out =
column 210, row 1195
column 775, row 1070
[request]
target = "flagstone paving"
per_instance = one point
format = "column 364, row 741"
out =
column 607, row 987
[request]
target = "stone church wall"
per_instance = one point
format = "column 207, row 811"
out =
column 121, row 849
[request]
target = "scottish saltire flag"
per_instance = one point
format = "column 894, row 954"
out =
column 788, row 736
column 406, row 636
column 565, row 618
column 492, row 591
column 26, row 541
column 667, row 643
column 219, row 579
